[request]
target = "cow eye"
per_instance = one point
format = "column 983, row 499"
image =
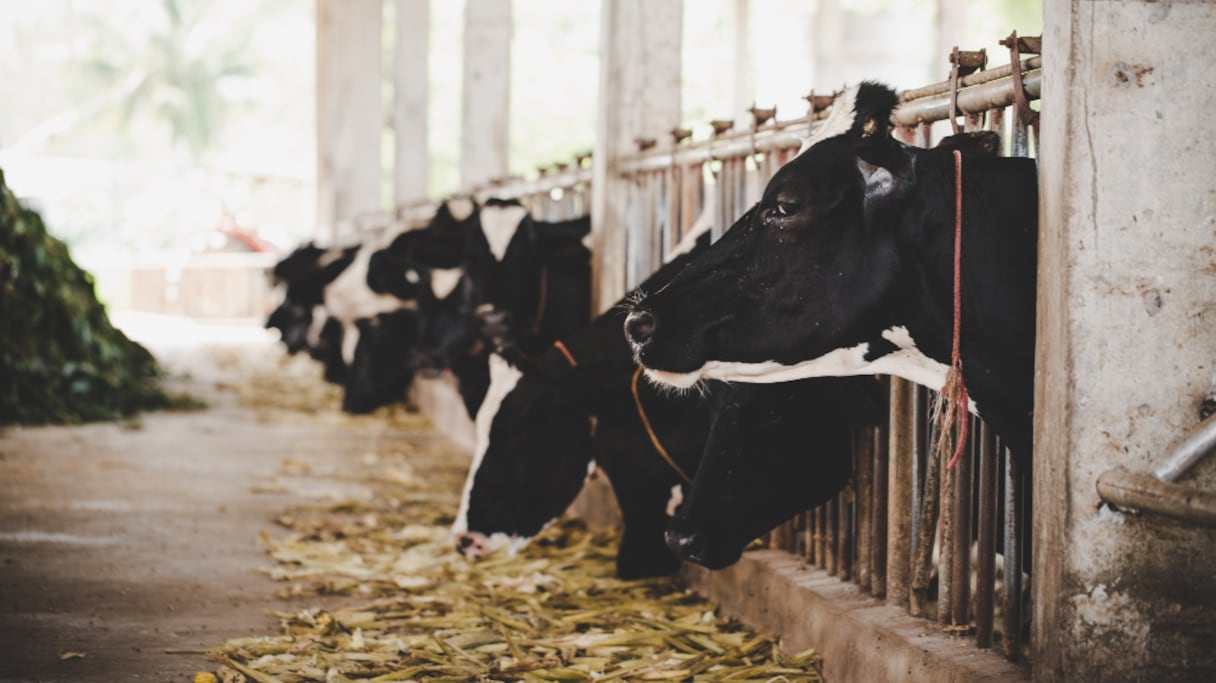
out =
column 781, row 210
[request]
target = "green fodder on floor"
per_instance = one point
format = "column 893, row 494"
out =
column 61, row 361
column 419, row 611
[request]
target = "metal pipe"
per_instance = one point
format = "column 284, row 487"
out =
column 960, row 567
column 985, row 565
column 901, row 487
column 1185, row 455
column 878, row 514
column 978, row 98
column 969, row 80
column 863, row 465
column 1011, row 624
column 1150, row 494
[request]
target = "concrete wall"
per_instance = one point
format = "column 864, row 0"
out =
column 349, row 114
column 1127, row 335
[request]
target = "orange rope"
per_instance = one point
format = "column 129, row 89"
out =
column 654, row 439
column 565, row 352
column 955, row 391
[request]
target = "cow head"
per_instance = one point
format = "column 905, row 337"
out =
column 802, row 285
column 773, row 451
column 532, row 456
column 383, row 365
column 293, row 320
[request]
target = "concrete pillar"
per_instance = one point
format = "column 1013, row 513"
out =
column 411, row 78
column 744, row 80
column 951, row 27
column 640, row 61
column 485, row 133
column 1126, row 336
column 349, row 113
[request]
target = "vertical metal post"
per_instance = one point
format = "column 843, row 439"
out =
column 1012, row 617
column 901, row 510
column 945, row 584
column 960, row 568
column 831, row 524
column 863, row 467
column 985, row 574
column 844, row 536
column 878, row 512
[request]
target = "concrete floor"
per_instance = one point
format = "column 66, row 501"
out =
column 133, row 543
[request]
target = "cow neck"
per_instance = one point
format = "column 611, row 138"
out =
column 654, row 438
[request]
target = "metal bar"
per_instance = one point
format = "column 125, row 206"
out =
column 985, row 565
column 1185, row 455
column 830, row 525
column 960, row 567
column 902, row 486
column 844, row 538
column 863, row 466
column 971, row 79
column 878, row 513
column 821, row 552
column 1149, row 494
column 922, row 561
column 945, row 562
column 808, row 536
column 1011, row 622
column 974, row 99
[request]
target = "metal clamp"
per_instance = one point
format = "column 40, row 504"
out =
column 962, row 63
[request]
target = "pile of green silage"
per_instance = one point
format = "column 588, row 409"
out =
column 61, row 361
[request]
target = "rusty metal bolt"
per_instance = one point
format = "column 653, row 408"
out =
column 720, row 126
column 969, row 60
column 679, row 135
column 644, row 143
column 1027, row 45
column 819, row 102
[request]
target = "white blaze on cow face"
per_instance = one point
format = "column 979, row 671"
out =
column 444, row 280
column 329, row 256
column 499, row 224
column 350, row 341
column 319, row 316
column 907, row 362
column 676, row 499
column 503, row 378
column 461, row 208
column 839, row 120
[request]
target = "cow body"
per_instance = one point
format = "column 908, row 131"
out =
column 845, row 267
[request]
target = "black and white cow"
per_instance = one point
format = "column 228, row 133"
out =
column 301, row 318
column 546, row 422
column 845, row 268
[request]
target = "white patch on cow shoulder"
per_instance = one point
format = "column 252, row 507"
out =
column 499, row 224
column 907, row 362
column 350, row 340
column 348, row 297
column 319, row 317
column 676, row 499
column 329, row 256
column 503, row 378
column 412, row 276
column 588, row 241
column 461, row 207
column 444, row 280
column 839, row 120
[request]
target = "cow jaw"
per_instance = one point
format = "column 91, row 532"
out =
column 907, row 361
column 503, row 378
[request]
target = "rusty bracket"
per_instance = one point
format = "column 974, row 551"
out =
column 819, row 102
column 1015, row 44
column 679, row 134
column 1028, row 45
column 962, row 63
column 761, row 116
column 644, row 143
column 720, row 126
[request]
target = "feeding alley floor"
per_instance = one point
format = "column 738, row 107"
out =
column 271, row 538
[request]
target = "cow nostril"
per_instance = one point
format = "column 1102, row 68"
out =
column 639, row 327
column 687, row 546
column 464, row 541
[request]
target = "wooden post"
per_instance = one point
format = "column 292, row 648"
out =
column 411, row 81
column 640, row 45
column 485, row 113
column 349, row 114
